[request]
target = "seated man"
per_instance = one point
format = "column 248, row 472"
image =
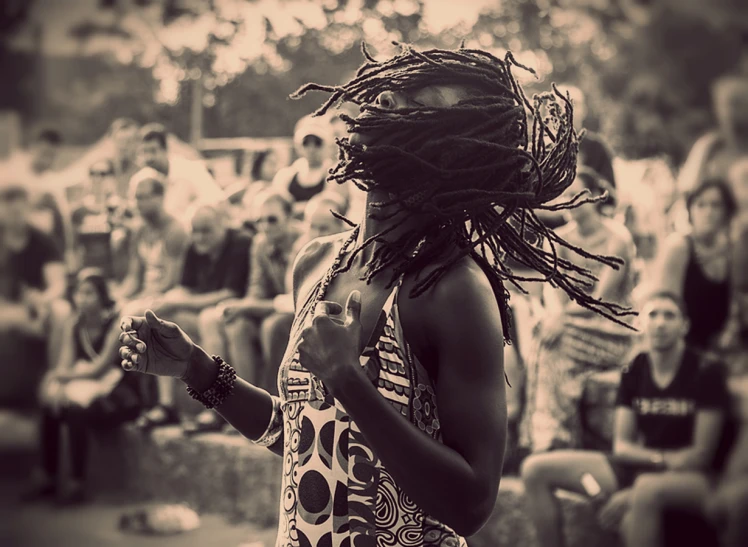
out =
column 32, row 297
column 216, row 268
column 669, row 415
column 245, row 326
column 157, row 250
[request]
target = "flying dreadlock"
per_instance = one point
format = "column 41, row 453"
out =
column 477, row 169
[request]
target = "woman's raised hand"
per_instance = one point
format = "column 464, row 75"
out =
column 154, row 346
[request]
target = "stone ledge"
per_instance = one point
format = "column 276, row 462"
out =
column 510, row 525
column 213, row 473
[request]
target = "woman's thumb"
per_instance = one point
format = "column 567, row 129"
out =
column 353, row 307
column 158, row 325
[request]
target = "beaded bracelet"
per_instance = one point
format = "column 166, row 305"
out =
column 275, row 426
column 221, row 388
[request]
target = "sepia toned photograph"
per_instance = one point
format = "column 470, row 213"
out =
column 374, row 273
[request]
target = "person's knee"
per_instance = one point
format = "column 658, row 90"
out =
column 535, row 471
column 240, row 329
column 209, row 320
column 274, row 326
column 647, row 492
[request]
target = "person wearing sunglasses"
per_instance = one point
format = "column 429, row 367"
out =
column 306, row 177
column 243, row 328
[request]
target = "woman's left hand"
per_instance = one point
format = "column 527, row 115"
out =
column 330, row 348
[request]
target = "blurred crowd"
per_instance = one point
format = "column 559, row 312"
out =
column 152, row 229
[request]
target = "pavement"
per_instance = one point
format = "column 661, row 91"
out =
column 96, row 525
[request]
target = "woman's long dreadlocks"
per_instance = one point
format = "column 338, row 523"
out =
column 477, row 169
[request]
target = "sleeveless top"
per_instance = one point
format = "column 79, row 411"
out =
column 305, row 193
column 335, row 490
column 707, row 302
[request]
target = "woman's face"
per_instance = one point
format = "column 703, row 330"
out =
column 86, row 298
column 707, row 212
column 269, row 166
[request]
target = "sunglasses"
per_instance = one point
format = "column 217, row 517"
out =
column 99, row 173
column 272, row 220
column 311, row 140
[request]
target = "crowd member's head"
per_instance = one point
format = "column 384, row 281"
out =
column 45, row 150
column 124, row 134
column 445, row 145
column 318, row 219
column 711, row 207
column 663, row 321
column 271, row 213
column 91, row 294
column 738, row 177
column 209, row 228
column 731, row 108
column 312, row 139
column 153, row 147
column 14, row 204
column 588, row 179
column 264, row 165
column 150, row 188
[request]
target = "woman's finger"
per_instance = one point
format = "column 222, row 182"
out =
column 125, row 352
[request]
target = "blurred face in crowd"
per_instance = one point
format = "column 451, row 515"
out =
column 126, row 141
column 150, row 203
column 152, row 154
column 731, row 107
column 583, row 212
column 270, row 218
column 663, row 323
column 86, row 298
column 738, row 180
column 14, row 208
column 313, row 149
column 270, row 166
column 319, row 222
column 44, row 156
column 208, row 231
column 708, row 212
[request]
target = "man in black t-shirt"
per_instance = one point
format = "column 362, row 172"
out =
column 32, row 296
column 669, row 414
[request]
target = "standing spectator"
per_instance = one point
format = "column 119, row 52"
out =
column 573, row 342
column 157, row 251
column 696, row 265
column 307, row 176
column 187, row 181
column 216, row 268
column 86, row 390
column 124, row 135
column 32, row 294
column 242, row 194
column 246, row 326
column 669, row 415
column 739, row 182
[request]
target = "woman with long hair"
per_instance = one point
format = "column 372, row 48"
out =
column 87, row 389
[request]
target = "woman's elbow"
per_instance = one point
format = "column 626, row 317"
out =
column 473, row 515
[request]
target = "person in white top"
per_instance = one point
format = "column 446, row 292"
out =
column 187, row 181
column 307, row 176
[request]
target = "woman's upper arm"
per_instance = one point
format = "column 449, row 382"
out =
column 670, row 273
column 67, row 351
column 463, row 322
column 625, row 426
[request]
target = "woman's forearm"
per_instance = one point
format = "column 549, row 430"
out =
column 248, row 409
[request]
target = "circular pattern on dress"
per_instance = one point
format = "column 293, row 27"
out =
column 289, row 499
column 314, row 492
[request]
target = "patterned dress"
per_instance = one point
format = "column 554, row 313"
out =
column 335, row 490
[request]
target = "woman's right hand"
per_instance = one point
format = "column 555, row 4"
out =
column 154, row 346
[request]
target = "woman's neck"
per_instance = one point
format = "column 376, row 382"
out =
column 588, row 225
column 707, row 239
column 92, row 318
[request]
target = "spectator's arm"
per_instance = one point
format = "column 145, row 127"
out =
column 205, row 186
column 625, row 445
column 175, row 245
column 107, row 358
column 608, row 286
column 134, row 278
column 671, row 266
column 55, row 281
column 259, row 299
column 67, row 350
column 711, row 405
column 195, row 302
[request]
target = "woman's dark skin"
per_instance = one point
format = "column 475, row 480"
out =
column 453, row 329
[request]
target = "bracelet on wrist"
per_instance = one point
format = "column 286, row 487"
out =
column 221, row 388
column 275, row 426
